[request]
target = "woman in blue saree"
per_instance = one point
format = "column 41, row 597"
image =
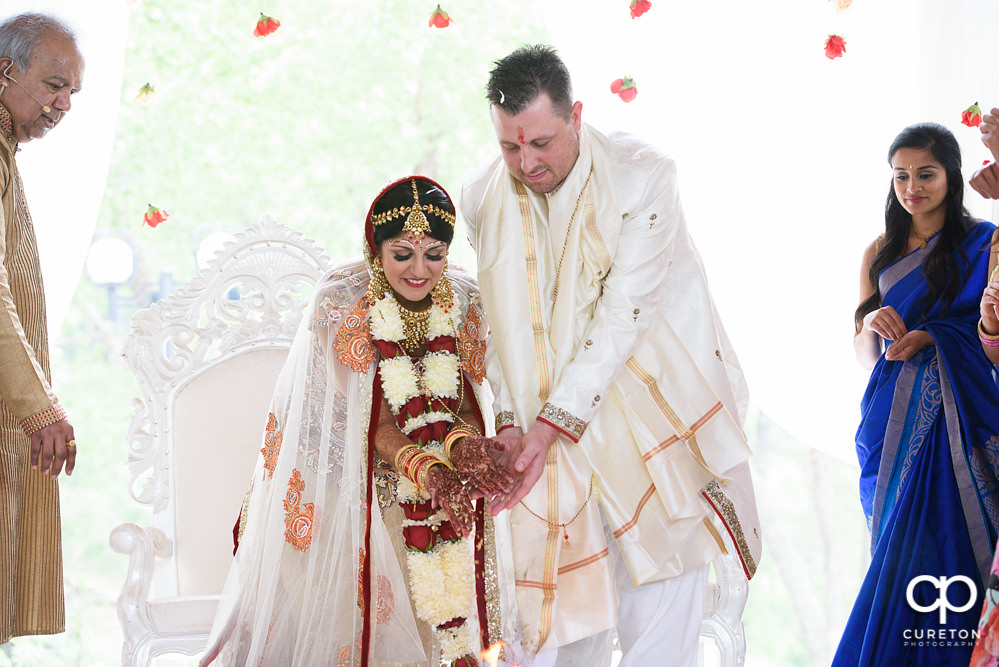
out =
column 928, row 441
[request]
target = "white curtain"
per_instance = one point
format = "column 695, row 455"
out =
column 782, row 157
column 64, row 173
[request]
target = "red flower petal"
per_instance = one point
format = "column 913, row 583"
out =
column 972, row 116
column 440, row 18
column 835, row 46
column 639, row 7
column 154, row 216
column 625, row 88
column 266, row 25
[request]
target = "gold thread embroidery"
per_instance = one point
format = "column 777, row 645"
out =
column 353, row 339
column 297, row 517
column 563, row 420
column 272, row 445
column 471, row 349
column 726, row 511
column 504, row 418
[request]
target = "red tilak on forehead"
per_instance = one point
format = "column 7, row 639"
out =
column 520, row 135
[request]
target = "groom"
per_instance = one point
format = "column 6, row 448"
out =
column 616, row 388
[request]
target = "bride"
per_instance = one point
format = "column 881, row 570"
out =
column 360, row 542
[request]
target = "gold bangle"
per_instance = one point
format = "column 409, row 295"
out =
column 453, row 436
column 985, row 334
column 403, row 451
column 425, row 471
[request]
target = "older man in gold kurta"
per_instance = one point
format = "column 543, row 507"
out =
column 40, row 67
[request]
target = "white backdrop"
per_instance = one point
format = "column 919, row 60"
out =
column 782, row 157
column 64, row 173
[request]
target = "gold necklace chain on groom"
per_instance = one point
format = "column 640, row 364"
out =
column 572, row 218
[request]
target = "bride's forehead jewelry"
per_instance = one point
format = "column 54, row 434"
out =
column 416, row 219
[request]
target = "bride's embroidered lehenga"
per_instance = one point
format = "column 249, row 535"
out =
column 342, row 560
column 928, row 445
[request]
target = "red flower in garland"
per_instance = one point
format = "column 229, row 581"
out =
column 439, row 19
column 639, row 7
column 266, row 25
column 972, row 116
column 154, row 216
column 835, row 47
column 417, row 511
column 625, row 88
column 420, row 538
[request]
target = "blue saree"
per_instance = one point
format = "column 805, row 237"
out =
column 928, row 445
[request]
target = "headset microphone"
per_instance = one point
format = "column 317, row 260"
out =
column 45, row 107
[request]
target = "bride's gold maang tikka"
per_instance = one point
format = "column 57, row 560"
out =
column 417, row 224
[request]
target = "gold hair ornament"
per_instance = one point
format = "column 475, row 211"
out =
column 416, row 220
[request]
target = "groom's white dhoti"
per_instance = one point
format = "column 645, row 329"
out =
column 603, row 327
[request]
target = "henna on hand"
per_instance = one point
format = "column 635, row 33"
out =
column 449, row 494
column 472, row 457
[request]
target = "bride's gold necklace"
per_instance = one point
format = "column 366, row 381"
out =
column 415, row 326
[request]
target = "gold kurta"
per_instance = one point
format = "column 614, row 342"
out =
column 31, row 591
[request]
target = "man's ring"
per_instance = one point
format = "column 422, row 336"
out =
column 71, row 443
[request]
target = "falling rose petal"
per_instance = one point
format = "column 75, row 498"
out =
column 440, row 18
column 639, row 7
column 835, row 47
column 986, row 163
column 154, row 216
column 842, row 5
column 147, row 94
column 266, row 25
column 972, row 116
column 520, row 135
column 624, row 88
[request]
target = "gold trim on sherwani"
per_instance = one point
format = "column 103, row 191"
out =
column 654, row 434
column 563, row 420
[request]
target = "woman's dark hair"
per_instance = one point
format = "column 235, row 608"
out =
column 400, row 196
column 940, row 267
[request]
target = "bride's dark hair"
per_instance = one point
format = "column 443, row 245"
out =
column 401, row 195
column 940, row 268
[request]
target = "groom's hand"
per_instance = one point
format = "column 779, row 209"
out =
column 525, row 460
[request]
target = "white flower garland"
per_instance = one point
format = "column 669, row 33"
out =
column 442, row 579
column 421, row 420
column 401, row 381
column 443, row 582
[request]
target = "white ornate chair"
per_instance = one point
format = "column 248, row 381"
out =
column 723, row 639
column 205, row 359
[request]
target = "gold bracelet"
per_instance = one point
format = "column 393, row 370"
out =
column 988, row 340
column 421, row 481
column 404, row 452
column 453, row 436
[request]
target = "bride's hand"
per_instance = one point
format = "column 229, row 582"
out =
column 472, row 458
column 449, row 494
